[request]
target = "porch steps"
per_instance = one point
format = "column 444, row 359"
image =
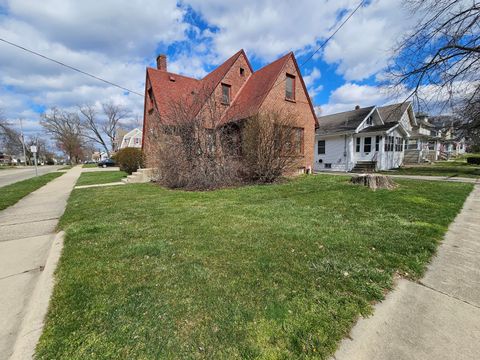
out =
column 140, row 176
column 364, row 167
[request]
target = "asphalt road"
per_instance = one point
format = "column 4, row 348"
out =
column 10, row 176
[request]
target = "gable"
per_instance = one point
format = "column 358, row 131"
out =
column 374, row 116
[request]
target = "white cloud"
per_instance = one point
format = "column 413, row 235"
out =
column 363, row 46
column 311, row 82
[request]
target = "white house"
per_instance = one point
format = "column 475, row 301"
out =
column 364, row 139
column 132, row 139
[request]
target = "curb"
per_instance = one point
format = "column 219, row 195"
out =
column 32, row 324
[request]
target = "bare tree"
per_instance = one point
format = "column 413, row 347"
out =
column 102, row 128
column 93, row 127
column 65, row 128
column 440, row 59
column 114, row 115
column 10, row 139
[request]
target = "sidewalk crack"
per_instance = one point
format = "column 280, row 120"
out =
column 38, row 268
column 446, row 294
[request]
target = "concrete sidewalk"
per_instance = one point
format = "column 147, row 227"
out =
column 27, row 231
column 411, row 177
column 436, row 318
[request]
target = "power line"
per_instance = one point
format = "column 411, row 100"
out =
column 70, row 67
column 333, row 34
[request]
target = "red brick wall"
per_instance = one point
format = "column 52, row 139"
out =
column 300, row 107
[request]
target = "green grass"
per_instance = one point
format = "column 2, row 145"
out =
column 100, row 177
column 67, row 167
column 89, row 165
column 9, row 167
column 456, row 168
column 12, row 193
column 270, row 272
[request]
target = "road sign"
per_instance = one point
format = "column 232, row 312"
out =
column 33, row 149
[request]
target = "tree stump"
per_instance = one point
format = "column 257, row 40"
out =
column 374, row 181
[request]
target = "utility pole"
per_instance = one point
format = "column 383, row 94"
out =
column 23, row 142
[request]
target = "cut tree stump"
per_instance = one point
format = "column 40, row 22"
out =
column 374, row 181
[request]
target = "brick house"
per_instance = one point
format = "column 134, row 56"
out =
column 240, row 93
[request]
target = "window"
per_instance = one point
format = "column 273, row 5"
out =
column 377, row 142
column 357, row 147
column 225, row 94
column 370, row 120
column 298, row 141
column 321, row 147
column 290, row 87
column 242, row 71
column 150, row 95
column 367, row 145
column 328, row 165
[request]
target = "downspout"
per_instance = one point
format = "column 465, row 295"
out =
column 345, row 152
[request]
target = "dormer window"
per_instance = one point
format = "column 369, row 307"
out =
column 370, row 120
column 290, row 87
column 226, row 94
column 242, row 72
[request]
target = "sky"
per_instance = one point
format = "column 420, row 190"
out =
column 117, row 40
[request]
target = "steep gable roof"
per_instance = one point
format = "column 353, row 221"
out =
column 248, row 102
column 394, row 112
column 346, row 121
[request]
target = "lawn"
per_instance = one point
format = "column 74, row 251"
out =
column 272, row 272
column 454, row 168
column 67, row 167
column 100, row 177
column 90, row 165
column 12, row 193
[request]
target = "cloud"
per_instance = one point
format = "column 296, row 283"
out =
column 311, row 82
column 363, row 46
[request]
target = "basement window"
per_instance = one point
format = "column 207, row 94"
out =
column 328, row 165
column 226, row 94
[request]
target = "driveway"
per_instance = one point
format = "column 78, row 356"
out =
column 11, row 176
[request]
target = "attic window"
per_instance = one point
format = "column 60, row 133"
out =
column 290, row 87
column 370, row 120
column 150, row 94
column 242, row 71
column 226, row 94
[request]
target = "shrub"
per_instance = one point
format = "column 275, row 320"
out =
column 129, row 159
column 473, row 160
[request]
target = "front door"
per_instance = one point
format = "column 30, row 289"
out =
column 367, row 148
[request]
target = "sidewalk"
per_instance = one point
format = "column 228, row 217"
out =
column 27, row 231
column 411, row 177
column 437, row 318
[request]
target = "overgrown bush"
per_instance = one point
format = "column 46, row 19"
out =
column 473, row 160
column 129, row 159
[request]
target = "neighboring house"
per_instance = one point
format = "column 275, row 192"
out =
column 117, row 142
column 451, row 141
column 364, row 139
column 132, row 139
column 424, row 142
column 241, row 93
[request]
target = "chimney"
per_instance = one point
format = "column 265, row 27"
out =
column 357, row 107
column 162, row 62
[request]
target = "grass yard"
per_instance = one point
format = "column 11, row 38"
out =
column 89, row 166
column 271, row 272
column 458, row 168
column 100, row 177
column 12, row 193
column 67, row 167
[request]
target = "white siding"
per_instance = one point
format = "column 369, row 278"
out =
column 335, row 153
column 392, row 159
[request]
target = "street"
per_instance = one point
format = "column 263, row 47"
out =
column 11, row 176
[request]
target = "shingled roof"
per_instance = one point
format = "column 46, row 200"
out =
column 169, row 88
column 394, row 112
column 342, row 122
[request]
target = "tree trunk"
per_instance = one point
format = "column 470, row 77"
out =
column 374, row 181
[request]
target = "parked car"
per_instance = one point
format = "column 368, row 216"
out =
column 106, row 163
